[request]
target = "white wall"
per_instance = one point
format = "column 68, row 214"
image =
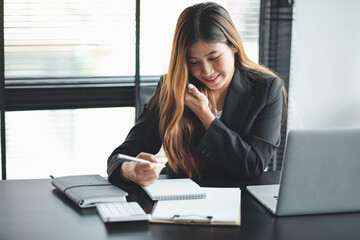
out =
column 325, row 65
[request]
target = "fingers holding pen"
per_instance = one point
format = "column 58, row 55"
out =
column 147, row 156
column 146, row 173
column 142, row 173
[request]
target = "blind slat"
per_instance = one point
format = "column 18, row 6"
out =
column 69, row 38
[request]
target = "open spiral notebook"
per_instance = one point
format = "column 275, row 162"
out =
column 182, row 201
column 174, row 189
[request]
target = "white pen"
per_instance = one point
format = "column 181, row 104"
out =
column 129, row 158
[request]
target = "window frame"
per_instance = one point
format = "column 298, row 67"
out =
column 2, row 95
column 80, row 93
column 74, row 93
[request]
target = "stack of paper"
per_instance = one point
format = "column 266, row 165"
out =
column 220, row 207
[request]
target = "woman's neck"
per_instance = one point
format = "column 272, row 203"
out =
column 219, row 98
column 220, row 94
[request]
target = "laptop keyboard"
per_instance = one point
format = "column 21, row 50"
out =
column 121, row 212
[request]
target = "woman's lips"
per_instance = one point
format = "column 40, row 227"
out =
column 212, row 80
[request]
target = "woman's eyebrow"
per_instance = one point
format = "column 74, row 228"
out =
column 210, row 53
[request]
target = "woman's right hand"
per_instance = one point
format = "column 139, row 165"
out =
column 199, row 104
column 141, row 173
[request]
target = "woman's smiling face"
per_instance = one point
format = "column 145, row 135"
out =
column 212, row 63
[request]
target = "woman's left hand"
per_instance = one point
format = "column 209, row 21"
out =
column 199, row 104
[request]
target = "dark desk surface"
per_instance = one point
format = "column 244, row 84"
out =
column 33, row 209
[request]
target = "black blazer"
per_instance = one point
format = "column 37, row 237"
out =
column 238, row 145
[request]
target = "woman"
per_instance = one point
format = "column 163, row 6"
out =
column 216, row 113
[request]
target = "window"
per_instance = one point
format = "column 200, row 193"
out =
column 158, row 21
column 62, row 142
column 72, row 63
column 82, row 38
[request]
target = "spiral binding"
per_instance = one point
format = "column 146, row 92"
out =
column 180, row 196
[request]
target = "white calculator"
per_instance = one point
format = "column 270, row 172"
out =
column 121, row 212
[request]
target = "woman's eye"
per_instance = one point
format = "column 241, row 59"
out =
column 214, row 58
column 193, row 63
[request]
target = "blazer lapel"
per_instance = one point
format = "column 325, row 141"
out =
column 237, row 103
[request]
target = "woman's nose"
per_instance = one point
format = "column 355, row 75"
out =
column 206, row 69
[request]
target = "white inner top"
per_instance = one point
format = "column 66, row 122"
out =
column 217, row 113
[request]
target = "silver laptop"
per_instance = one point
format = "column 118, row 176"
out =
column 320, row 174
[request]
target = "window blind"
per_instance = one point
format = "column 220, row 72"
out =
column 275, row 48
column 2, row 99
column 69, row 53
column 68, row 38
column 158, row 26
